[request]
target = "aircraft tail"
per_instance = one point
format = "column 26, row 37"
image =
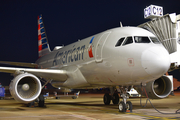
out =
column 43, row 45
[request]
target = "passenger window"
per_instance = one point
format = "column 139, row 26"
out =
column 119, row 42
column 155, row 40
column 141, row 39
column 128, row 40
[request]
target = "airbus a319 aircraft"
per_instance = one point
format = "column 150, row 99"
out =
column 118, row 59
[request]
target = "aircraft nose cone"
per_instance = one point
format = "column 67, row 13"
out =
column 156, row 61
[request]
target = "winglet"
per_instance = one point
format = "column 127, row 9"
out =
column 43, row 45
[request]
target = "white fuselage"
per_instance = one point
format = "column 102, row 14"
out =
column 99, row 60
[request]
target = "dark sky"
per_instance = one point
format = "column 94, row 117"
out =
column 65, row 22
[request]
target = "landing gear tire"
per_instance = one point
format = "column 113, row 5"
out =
column 122, row 107
column 31, row 104
column 115, row 98
column 74, row 97
column 41, row 101
column 107, row 99
column 57, row 97
column 129, row 106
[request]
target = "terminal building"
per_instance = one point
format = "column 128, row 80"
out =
column 167, row 29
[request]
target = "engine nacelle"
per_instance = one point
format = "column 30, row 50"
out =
column 25, row 88
column 157, row 89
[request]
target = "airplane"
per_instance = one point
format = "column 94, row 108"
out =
column 118, row 58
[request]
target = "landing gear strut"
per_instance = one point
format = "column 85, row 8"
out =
column 41, row 101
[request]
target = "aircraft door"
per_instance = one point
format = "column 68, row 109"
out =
column 99, row 46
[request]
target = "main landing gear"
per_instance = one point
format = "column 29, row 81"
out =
column 39, row 100
column 108, row 98
column 114, row 97
column 124, row 106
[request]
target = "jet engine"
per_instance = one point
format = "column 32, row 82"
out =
column 157, row 89
column 25, row 88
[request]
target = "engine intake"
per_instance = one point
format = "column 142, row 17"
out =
column 25, row 88
column 159, row 88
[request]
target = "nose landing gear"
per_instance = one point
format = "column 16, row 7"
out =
column 124, row 105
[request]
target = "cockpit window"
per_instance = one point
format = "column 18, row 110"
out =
column 139, row 39
column 119, row 42
column 155, row 40
column 128, row 40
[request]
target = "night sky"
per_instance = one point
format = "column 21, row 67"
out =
column 65, row 22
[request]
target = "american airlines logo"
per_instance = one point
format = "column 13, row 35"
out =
column 72, row 55
column 90, row 48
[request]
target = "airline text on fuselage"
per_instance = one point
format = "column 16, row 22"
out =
column 68, row 56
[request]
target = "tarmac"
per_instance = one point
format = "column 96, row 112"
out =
column 90, row 107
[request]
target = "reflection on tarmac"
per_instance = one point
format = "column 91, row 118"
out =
column 89, row 107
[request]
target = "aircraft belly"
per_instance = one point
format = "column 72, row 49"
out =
column 107, row 73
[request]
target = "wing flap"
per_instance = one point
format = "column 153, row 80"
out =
column 59, row 75
column 31, row 65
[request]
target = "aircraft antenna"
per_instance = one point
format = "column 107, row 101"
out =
column 121, row 24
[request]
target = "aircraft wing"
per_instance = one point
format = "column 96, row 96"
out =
column 31, row 65
column 59, row 75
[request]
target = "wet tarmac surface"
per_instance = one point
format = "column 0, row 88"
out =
column 89, row 107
